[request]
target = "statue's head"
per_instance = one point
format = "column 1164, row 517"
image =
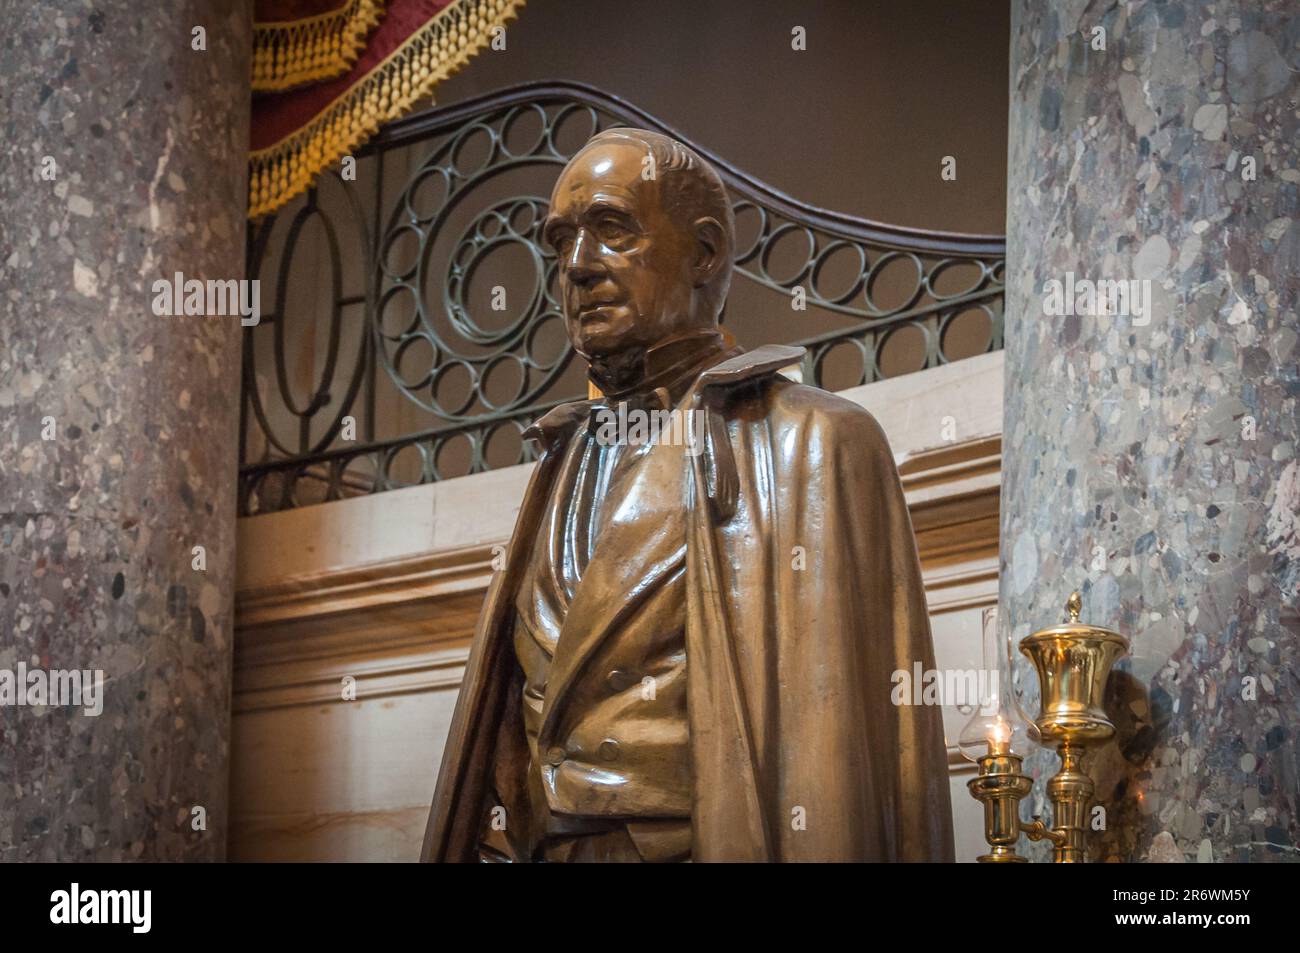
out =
column 644, row 234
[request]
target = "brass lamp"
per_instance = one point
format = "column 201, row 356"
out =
column 997, row 738
column 1073, row 661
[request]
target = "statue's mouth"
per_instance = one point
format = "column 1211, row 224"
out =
column 596, row 309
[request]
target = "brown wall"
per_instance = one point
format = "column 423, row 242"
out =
column 859, row 122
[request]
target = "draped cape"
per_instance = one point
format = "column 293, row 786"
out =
column 804, row 597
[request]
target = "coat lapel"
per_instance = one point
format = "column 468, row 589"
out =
column 641, row 545
column 643, row 542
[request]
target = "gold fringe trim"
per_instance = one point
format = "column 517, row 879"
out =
column 432, row 53
column 291, row 53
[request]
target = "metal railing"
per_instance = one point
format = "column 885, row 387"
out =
column 416, row 370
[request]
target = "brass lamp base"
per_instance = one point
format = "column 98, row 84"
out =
column 999, row 786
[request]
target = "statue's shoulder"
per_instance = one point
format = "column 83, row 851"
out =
column 750, row 384
column 554, row 427
column 831, row 418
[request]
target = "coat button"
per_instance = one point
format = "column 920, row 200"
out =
column 608, row 749
column 620, row 680
column 555, row 755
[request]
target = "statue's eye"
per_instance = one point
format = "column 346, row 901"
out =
column 562, row 242
column 610, row 229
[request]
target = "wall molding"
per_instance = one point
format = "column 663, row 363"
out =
column 396, row 627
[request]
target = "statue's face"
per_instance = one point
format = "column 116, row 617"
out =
column 625, row 266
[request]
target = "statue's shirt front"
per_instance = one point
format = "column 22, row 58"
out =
column 604, row 698
column 600, row 638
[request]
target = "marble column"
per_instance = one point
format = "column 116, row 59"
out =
column 1150, row 455
column 122, row 162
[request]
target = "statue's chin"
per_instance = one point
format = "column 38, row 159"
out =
column 603, row 339
column 601, row 350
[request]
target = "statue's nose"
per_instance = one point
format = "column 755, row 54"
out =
column 580, row 264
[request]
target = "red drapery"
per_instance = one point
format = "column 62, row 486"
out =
column 376, row 72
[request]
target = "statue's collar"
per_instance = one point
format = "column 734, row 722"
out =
column 720, row 369
column 672, row 364
column 740, row 367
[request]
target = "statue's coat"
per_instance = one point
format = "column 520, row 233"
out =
column 804, row 597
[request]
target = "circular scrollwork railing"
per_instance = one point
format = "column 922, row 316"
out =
column 432, row 376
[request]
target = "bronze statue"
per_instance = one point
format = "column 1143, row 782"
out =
column 689, row 652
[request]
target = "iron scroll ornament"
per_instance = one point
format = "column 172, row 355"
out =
column 482, row 382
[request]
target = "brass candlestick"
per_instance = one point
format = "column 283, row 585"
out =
column 1073, row 661
column 999, row 786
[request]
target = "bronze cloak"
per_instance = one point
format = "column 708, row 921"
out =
column 804, row 597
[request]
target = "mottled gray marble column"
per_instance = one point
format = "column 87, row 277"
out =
column 1150, row 459
column 121, row 162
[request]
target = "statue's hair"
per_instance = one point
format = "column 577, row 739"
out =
column 689, row 188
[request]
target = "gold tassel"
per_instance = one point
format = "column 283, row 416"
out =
column 288, row 167
column 296, row 52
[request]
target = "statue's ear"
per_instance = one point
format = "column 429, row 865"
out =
column 711, row 249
